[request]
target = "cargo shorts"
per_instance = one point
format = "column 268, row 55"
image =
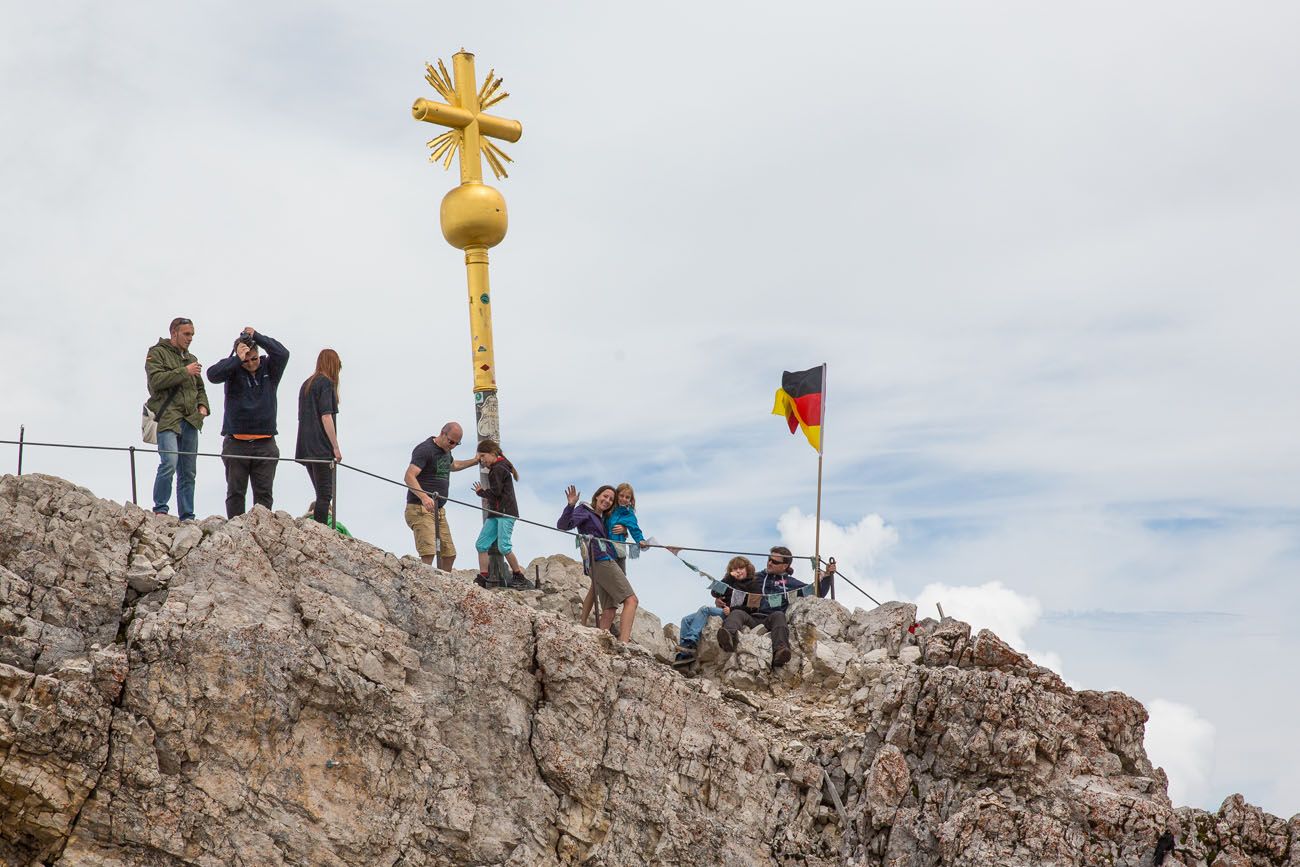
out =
column 611, row 584
column 427, row 536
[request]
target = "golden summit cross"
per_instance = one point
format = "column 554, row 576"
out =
column 472, row 215
column 470, row 129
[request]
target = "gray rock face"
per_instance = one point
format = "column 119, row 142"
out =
column 262, row 691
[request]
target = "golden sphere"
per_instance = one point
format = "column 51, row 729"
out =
column 473, row 215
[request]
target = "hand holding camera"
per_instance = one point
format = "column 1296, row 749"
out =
column 245, row 345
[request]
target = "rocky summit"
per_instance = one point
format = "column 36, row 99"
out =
column 262, row 691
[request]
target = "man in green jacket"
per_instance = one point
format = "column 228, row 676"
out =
column 177, row 397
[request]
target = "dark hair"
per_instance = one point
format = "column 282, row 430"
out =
column 784, row 552
column 234, row 347
column 741, row 563
column 602, row 489
column 491, row 447
column 177, row 323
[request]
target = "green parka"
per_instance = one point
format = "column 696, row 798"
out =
column 165, row 368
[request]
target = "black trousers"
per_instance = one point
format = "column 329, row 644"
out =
column 322, row 480
column 775, row 622
column 239, row 456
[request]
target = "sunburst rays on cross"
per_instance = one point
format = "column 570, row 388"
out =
column 446, row 146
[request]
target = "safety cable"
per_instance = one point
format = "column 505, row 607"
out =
column 147, row 451
column 577, row 536
column 552, row 527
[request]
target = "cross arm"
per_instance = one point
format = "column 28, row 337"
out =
column 458, row 118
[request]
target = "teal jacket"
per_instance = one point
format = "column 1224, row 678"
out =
column 625, row 516
column 165, row 368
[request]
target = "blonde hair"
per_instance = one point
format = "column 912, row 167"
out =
column 618, row 492
column 328, row 365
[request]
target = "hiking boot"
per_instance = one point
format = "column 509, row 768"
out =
column 685, row 656
column 519, row 582
column 613, row 630
column 481, row 580
column 727, row 640
column 780, row 656
column 687, row 645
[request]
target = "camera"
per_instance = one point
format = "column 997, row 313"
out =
column 247, row 340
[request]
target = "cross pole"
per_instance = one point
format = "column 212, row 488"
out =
column 472, row 215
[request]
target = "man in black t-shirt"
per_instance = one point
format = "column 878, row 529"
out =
column 428, row 479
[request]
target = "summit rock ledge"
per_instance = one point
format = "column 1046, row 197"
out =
column 262, row 691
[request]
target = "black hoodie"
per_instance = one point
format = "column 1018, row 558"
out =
column 251, row 406
column 499, row 492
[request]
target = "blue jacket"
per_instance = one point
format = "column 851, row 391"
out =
column 251, row 406
column 585, row 520
column 627, row 517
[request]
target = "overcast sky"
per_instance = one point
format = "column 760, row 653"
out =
column 1048, row 253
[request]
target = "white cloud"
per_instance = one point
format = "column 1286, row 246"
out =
column 856, row 547
column 1181, row 741
column 992, row 606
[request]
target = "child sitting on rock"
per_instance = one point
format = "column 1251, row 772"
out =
column 498, row 496
column 740, row 569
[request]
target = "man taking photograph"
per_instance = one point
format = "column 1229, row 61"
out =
column 249, row 420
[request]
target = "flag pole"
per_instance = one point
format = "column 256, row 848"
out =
column 817, row 538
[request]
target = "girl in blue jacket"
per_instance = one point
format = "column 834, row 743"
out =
column 621, row 521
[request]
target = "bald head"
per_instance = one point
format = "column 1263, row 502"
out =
column 450, row 436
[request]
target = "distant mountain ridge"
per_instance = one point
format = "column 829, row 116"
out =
column 264, row 691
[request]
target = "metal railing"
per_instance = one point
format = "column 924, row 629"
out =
column 22, row 443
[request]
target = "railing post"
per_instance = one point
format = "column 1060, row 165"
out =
column 22, row 429
column 134, row 498
column 334, row 507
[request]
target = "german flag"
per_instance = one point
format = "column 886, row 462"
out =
column 799, row 399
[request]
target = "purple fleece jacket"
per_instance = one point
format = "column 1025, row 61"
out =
column 583, row 519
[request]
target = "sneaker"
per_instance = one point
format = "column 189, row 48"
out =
column 780, row 656
column 481, row 580
column 684, row 657
column 727, row 640
column 519, row 582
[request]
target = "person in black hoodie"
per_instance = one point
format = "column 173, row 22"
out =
column 249, row 420
column 498, row 496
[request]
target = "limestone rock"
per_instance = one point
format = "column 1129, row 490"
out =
column 264, row 691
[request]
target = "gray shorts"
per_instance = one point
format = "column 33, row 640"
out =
column 611, row 584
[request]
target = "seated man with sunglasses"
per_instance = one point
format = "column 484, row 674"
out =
column 762, row 601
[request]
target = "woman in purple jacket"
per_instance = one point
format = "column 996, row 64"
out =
column 598, row 561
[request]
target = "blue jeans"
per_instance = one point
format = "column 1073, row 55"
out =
column 693, row 624
column 170, row 463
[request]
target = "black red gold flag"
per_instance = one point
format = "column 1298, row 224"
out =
column 799, row 399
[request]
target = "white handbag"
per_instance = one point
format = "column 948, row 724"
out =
column 149, row 421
